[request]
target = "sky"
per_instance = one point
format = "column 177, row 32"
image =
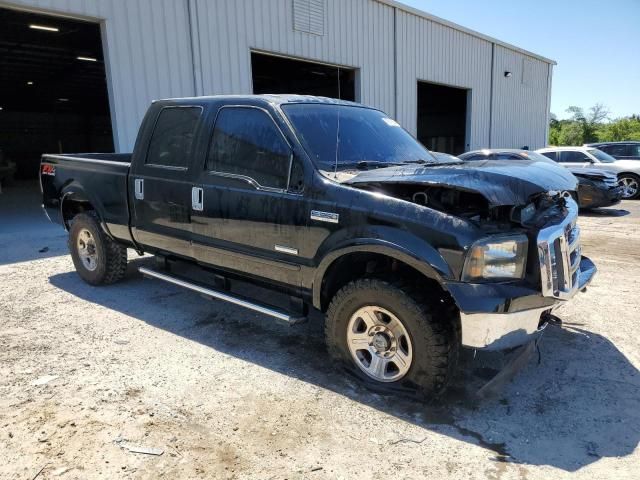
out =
column 595, row 43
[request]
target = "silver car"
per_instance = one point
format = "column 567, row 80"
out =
column 628, row 171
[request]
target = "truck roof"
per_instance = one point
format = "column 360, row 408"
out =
column 266, row 98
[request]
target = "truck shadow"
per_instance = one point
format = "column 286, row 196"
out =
column 605, row 212
column 579, row 404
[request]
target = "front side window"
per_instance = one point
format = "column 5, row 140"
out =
column 173, row 137
column 475, row 156
column 570, row 156
column 246, row 142
column 601, row 156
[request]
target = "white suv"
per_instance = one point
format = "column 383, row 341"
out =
column 628, row 171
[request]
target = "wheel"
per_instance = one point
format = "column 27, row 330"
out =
column 630, row 184
column 97, row 258
column 391, row 337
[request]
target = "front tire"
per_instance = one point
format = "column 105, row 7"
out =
column 97, row 258
column 631, row 185
column 392, row 337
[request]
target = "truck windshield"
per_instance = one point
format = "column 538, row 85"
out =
column 362, row 136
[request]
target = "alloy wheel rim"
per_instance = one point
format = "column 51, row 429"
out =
column 379, row 344
column 630, row 187
column 87, row 251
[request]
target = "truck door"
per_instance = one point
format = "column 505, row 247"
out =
column 247, row 214
column 160, row 183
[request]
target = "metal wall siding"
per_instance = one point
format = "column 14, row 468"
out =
column 148, row 47
column 428, row 51
column 520, row 109
column 174, row 48
column 358, row 33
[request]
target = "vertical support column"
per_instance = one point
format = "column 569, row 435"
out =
column 548, row 116
column 194, row 36
column 493, row 56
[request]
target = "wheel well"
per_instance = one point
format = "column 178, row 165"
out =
column 630, row 174
column 356, row 265
column 72, row 207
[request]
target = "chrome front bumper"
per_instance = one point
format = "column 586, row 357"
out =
column 499, row 331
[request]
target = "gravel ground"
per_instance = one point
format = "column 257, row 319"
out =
column 87, row 373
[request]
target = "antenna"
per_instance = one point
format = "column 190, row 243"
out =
column 335, row 166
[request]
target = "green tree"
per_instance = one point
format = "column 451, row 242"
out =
column 589, row 122
column 571, row 133
column 620, row 129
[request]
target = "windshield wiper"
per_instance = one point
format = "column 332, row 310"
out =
column 422, row 161
column 366, row 164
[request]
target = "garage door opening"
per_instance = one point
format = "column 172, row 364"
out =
column 442, row 118
column 53, row 89
column 272, row 74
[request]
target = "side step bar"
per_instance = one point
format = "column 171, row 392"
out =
column 208, row 292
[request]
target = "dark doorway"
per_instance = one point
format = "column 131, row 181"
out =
column 272, row 74
column 442, row 117
column 53, row 89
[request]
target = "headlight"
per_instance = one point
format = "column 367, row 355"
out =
column 496, row 258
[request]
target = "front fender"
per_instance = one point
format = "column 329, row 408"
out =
column 405, row 248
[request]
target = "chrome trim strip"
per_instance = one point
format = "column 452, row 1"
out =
column 87, row 160
column 220, row 295
column 284, row 249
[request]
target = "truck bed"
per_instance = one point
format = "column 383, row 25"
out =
column 98, row 178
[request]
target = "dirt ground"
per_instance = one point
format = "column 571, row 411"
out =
column 87, row 373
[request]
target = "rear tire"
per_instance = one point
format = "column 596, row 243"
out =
column 97, row 258
column 417, row 357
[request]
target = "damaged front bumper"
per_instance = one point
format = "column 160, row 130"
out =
column 499, row 317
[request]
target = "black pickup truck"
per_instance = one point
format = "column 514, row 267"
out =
column 333, row 206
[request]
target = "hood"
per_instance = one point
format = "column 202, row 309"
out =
column 500, row 182
column 592, row 173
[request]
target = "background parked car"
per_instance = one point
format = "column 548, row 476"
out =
column 445, row 157
column 596, row 188
column 620, row 150
column 628, row 171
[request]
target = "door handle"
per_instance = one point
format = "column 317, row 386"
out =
column 197, row 199
column 139, row 188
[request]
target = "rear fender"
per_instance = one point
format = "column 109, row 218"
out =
column 74, row 192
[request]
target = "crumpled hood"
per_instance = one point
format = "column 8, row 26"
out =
column 499, row 181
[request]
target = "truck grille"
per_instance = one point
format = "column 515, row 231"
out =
column 560, row 253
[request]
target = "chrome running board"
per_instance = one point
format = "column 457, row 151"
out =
column 225, row 297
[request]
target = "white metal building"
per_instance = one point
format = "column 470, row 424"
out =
column 454, row 88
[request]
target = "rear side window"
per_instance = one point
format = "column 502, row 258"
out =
column 552, row 155
column 172, row 140
column 246, row 142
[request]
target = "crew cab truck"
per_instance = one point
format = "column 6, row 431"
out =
column 336, row 207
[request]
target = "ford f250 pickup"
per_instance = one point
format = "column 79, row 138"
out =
column 330, row 205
